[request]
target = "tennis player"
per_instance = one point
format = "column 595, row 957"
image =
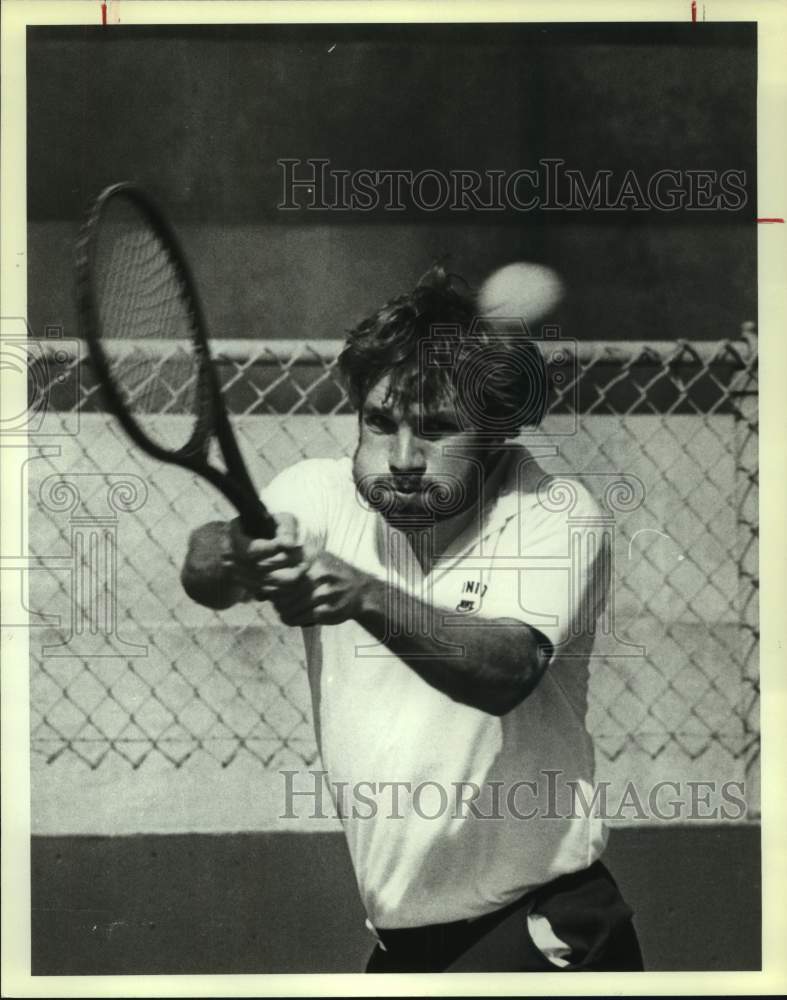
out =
column 448, row 626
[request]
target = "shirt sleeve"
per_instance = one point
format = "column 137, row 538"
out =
column 306, row 491
column 553, row 573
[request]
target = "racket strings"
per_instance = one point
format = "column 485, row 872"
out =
column 146, row 315
column 147, row 324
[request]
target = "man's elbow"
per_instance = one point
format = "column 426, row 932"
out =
column 506, row 700
column 500, row 697
column 511, row 690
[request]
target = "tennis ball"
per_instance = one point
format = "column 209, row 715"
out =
column 521, row 291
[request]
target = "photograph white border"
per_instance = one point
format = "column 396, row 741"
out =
column 771, row 16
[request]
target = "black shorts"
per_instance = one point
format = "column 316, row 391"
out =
column 585, row 910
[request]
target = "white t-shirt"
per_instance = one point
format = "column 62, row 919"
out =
column 420, row 855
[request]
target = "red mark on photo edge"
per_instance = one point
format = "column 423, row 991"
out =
column 771, row 220
column 693, row 11
column 103, row 13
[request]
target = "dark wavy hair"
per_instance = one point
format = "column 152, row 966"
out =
column 436, row 348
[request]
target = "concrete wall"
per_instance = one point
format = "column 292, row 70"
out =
column 200, row 117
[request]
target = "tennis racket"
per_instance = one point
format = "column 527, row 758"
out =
column 134, row 291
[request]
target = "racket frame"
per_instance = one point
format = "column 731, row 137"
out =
column 212, row 419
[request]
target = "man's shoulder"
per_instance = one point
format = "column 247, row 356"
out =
column 315, row 491
column 539, row 510
column 566, row 495
column 549, row 494
column 309, row 483
column 318, row 472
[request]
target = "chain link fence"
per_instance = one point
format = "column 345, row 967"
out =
column 124, row 665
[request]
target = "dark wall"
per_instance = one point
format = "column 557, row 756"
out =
column 279, row 902
column 200, row 116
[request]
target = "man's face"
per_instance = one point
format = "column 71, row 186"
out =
column 412, row 461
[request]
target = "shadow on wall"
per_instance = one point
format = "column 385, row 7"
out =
column 262, row 903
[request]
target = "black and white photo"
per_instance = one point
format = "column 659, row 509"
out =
column 385, row 517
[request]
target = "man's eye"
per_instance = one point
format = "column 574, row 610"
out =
column 379, row 422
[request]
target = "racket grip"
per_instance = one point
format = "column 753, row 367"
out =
column 258, row 523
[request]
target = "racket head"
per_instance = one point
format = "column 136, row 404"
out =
column 134, row 286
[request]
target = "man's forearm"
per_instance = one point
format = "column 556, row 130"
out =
column 498, row 661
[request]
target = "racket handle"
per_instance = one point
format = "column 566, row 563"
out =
column 257, row 522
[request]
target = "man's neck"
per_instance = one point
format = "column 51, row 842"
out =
column 444, row 532
column 447, row 531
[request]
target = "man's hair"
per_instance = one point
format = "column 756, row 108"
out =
column 437, row 349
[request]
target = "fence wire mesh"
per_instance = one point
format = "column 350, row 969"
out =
column 124, row 664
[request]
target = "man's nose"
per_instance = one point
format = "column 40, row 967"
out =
column 406, row 457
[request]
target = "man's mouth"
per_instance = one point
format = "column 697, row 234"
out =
column 407, row 487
